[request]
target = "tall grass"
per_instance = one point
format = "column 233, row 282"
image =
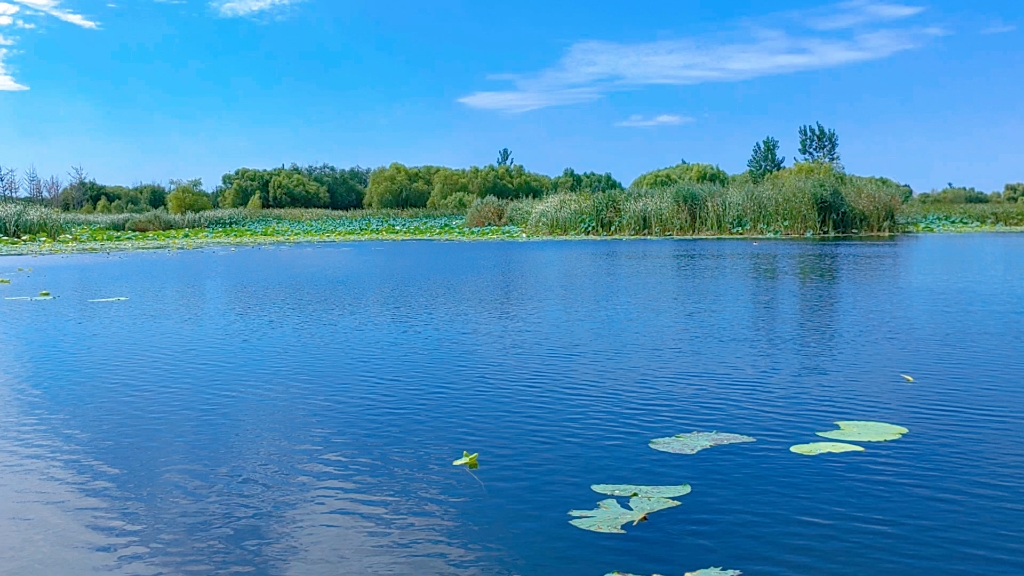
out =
column 788, row 205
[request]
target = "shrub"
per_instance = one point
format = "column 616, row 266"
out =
column 255, row 203
column 154, row 221
column 1013, row 193
column 681, row 174
column 488, row 211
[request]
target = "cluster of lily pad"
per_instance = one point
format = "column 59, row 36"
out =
column 610, row 516
column 851, row 431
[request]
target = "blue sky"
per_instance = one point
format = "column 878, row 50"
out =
column 924, row 92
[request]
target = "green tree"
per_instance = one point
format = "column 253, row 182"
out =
column 572, row 182
column 240, row 185
column 295, row 190
column 255, row 203
column 103, row 206
column 187, row 196
column 345, row 188
column 153, row 195
column 1014, row 193
column 818, row 144
column 765, row 159
column 398, row 186
column 505, row 158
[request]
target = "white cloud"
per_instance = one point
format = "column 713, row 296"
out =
column 999, row 28
column 52, row 7
column 14, row 14
column 591, row 69
column 233, row 8
column 638, row 121
column 859, row 13
column 7, row 82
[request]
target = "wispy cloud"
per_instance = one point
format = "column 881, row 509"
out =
column 235, row 8
column 18, row 14
column 848, row 33
column 999, row 28
column 638, row 121
column 52, row 8
column 858, row 13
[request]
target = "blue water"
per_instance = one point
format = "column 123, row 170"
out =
column 295, row 410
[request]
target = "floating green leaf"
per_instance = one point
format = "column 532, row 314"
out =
column 4, row 281
column 109, row 300
column 696, row 441
column 641, row 491
column 44, row 294
column 468, row 460
column 855, row 431
column 714, row 572
column 817, row 448
column 609, row 517
column 907, row 378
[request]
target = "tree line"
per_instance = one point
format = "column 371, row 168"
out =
column 399, row 186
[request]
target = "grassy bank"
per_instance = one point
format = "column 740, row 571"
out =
column 862, row 207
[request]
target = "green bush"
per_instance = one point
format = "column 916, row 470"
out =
column 154, row 221
column 488, row 211
column 681, row 174
column 18, row 220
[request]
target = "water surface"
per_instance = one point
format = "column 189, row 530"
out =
column 295, row 410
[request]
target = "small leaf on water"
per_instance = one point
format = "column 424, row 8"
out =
column 714, row 572
column 817, row 448
column 4, row 281
column 641, row 491
column 610, row 517
column 856, row 431
column 44, row 293
column 467, row 460
column 696, row 441
column 907, row 378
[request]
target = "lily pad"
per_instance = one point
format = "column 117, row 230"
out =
column 610, row 517
column 824, row 448
column 4, row 281
column 468, row 460
column 855, row 431
column 109, row 300
column 641, row 491
column 714, row 572
column 696, row 441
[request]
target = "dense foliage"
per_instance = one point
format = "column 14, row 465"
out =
column 684, row 173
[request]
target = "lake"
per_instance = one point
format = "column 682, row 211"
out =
column 296, row 409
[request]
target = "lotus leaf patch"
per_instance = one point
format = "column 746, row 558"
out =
column 824, row 448
column 628, row 490
column 610, row 517
column 856, row 431
column 696, row 441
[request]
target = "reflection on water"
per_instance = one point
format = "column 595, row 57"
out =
column 295, row 410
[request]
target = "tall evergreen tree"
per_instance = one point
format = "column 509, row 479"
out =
column 818, row 144
column 765, row 159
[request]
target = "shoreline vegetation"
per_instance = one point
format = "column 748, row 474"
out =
column 814, row 197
